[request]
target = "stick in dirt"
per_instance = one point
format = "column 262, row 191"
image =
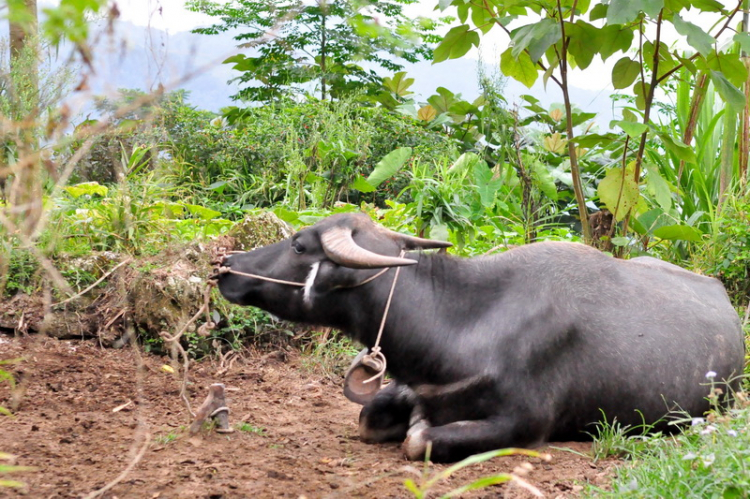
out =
column 215, row 406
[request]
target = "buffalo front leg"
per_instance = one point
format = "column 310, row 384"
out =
column 386, row 418
column 455, row 441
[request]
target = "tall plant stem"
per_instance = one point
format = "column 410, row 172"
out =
column 695, row 107
column 744, row 138
column 574, row 168
column 323, row 47
column 649, row 99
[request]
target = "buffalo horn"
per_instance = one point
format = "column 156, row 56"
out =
column 412, row 243
column 340, row 247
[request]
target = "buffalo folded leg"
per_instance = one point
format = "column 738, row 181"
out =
column 455, row 441
column 386, row 418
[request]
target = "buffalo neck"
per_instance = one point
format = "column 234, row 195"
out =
column 429, row 306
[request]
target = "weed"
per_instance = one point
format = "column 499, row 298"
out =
column 615, row 440
column 166, row 438
column 429, row 481
column 249, row 428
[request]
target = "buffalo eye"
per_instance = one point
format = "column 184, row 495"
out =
column 298, row 248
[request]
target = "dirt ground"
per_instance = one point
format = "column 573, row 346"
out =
column 300, row 438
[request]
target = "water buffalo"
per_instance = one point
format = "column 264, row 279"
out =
column 532, row 345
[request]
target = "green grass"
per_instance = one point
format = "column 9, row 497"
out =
column 249, row 428
column 710, row 458
column 167, row 438
column 330, row 353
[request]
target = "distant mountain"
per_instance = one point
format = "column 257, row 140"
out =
column 140, row 57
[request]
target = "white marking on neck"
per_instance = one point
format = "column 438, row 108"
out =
column 306, row 297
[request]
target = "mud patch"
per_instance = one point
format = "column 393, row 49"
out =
column 295, row 433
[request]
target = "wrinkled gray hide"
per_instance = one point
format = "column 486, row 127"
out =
column 532, row 345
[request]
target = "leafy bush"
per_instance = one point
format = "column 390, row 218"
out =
column 729, row 251
column 299, row 154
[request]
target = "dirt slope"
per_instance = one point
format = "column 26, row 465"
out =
column 300, row 439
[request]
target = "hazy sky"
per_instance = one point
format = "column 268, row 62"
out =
column 171, row 15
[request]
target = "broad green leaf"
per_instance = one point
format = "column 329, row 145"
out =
column 622, row 11
column 482, row 18
column 522, row 69
column 653, row 219
column 743, row 39
column 658, row 187
column 613, row 39
column 579, row 118
column 730, row 65
column 288, row 216
column 463, row 162
column 619, row 192
column 486, row 186
column 463, row 108
column 594, row 139
column 676, row 232
column 86, row 189
column 443, row 100
column 543, row 179
column 598, row 12
column 537, row 38
column 362, row 185
column 682, row 151
column 456, row 43
column 463, row 12
column 620, row 241
column 728, row 92
column 634, row 130
column 399, row 84
column 389, row 165
column 583, row 42
column 696, row 37
column 217, row 186
column 708, row 5
column 624, row 73
column 202, row 211
column 625, row 11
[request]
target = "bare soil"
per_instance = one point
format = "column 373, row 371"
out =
column 299, row 439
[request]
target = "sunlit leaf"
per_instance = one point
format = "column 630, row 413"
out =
column 521, row 69
column 86, row 189
column 426, row 113
column 679, row 232
column 389, row 165
column 619, row 192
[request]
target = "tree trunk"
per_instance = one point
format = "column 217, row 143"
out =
column 25, row 196
column 323, row 47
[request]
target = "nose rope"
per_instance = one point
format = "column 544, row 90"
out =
column 376, row 356
column 227, row 270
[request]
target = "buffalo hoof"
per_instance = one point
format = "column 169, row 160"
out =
column 415, row 445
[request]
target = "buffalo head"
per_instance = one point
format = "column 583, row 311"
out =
column 337, row 253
